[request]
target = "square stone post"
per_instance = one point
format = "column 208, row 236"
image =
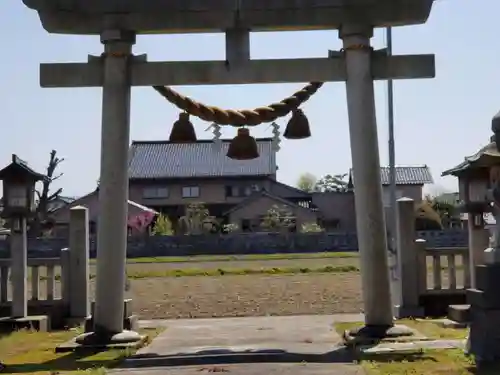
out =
column 19, row 267
column 484, row 327
column 407, row 290
column 79, row 302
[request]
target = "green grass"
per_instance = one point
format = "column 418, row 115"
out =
column 420, row 361
column 185, row 272
column 238, row 271
column 32, row 352
column 423, row 362
column 248, row 257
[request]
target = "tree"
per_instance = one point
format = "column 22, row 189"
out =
column 307, row 182
column 197, row 219
column 332, row 183
column 278, row 218
column 229, row 228
column 427, row 218
column 311, row 228
column 446, row 206
column 163, row 226
column 44, row 197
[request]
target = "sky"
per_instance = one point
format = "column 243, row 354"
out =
column 438, row 121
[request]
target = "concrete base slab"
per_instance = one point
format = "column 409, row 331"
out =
column 298, row 345
column 77, row 345
column 37, row 322
column 285, row 345
column 370, row 335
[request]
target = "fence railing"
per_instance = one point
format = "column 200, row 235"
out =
column 43, row 276
column 446, row 270
column 432, row 272
column 57, row 285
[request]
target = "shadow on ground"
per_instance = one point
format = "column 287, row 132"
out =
column 224, row 356
column 71, row 362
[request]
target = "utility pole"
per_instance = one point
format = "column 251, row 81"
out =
column 392, row 149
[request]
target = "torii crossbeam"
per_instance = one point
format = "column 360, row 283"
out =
column 143, row 73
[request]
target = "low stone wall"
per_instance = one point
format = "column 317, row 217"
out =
column 251, row 243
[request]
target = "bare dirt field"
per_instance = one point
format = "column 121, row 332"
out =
column 246, row 295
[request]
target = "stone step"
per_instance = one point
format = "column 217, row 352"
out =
column 459, row 313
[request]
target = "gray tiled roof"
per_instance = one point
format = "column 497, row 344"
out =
column 162, row 159
column 408, row 175
column 417, row 175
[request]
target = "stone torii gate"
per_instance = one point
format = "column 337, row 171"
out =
column 117, row 70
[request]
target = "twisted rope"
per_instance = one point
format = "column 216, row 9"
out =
column 242, row 117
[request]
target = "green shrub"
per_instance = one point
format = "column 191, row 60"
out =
column 163, row 226
column 311, row 228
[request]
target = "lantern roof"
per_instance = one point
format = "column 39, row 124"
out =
column 486, row 157
column 20, row 168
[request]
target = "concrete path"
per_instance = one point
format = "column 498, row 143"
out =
column 299, row 345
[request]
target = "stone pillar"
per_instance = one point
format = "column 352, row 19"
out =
column 371, row 229
column 478, row 241
column 407, row 290
column 113, row 191
column 79, row 295
column 19, row 267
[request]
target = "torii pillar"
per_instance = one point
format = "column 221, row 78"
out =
column 113, row 191
column 370, row 221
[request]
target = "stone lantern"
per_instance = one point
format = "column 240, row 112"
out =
column 473, row 194
column 480, row 189
column 474, row 183
column 475, row 198
column 19, row 190
column 19, row 203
